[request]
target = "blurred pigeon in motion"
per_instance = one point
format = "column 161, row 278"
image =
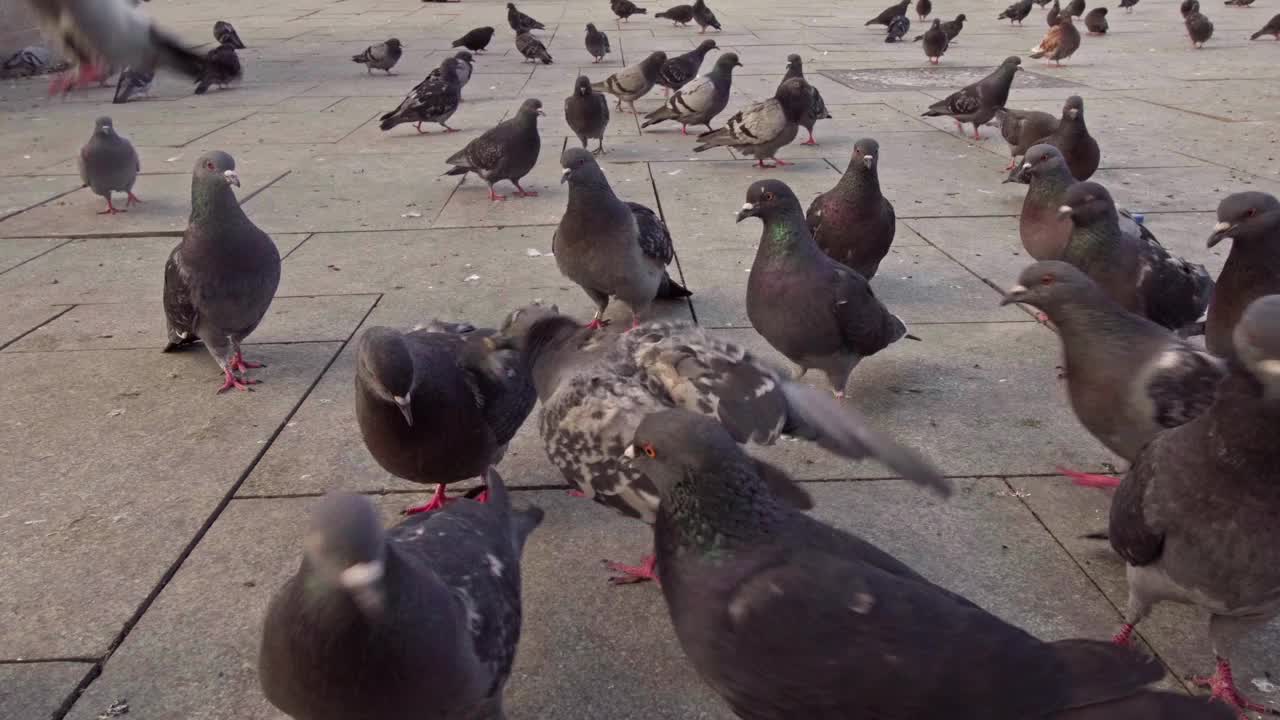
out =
column 888, row 14
column 374, row 618
column 700, row 100
column 1251, row 221
column 597, row 43
column 223, row 32
column 587, row 113
column 1199, row 29
column 678, row 15
column 434, row 100
column 624, row 9
column 475, row 40
column 382, row 56
column 977, row 103
column 1096, row 21
column 507, row 151
column 221, row 277
column 1060, row 43
column 221, row 68
column 133, row 82
column 815, row 311
column 532, row 48
column 520, row 22
column 1189, row 6
column 951, row 27
column 923, row 8
column 108, row 163
column 898, row 29
column 817, row 108
column 853, row 222
column 1271, row 28
column 30, row 60
column 677, row 71
column 458, row 67
column 634, row 81
column 1016, row 12
column 1022, row 129
column 935, row 42
column 704, row 17
column 1075, row 8
column 765, row 127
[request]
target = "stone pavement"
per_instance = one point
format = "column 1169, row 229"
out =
column 146, row 521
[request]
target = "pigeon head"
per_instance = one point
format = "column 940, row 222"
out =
column 936, row 24
column 1246, row 216
column 1073, row 108
column 1013, row 63
column 511, row 6
column 520, row 322
column 346, row 548
column 672, row 445
column 1257, row 342
column 580, row 169
column 1087, row 203
column 794, row 62
column 1100, row 11
column 1048, row 285
column 960, row 18
column 706, row 46
column 104, row 126
column 652, row 64
column 530, row 110
column 466, row 57
column 866, row 152
column 591, row 27
column 796, row 96
column 727, row 62
column 582, row 86
column 393, row 43
column 215, row 169
column 768, row 199
column 1042, row 161
column 383, row 362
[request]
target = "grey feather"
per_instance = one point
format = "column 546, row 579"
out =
column 677, row 71
column 532, row 48
column 977, row 103
column 108, row 162
column 853, row 222
column 765, row 127
column 112, row 33
column 382, row 56
column 700, row 100
column 586, row 112
column 634, row 81
column 507, row 151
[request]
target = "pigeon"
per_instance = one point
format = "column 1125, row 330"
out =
column 438, row 404
column 520, row 22
column 30, row 60
column 1096, row 21
column 677, row 71
column 1138, row 273
column 1238, row 3
column 1189, row 6
column 953, row 27
column 1128, row 5
column 1055, row 13
column 817, row 109
column 853, row 222
column 1016, row 12
column 1199, row 29
column 532, row 48
column 1194, row 518
column 678, row 15
column 898, row 29
column 700, row 100
column 609, row 247
column 109, row 163
column 1272, row 28
column 935, row 42
column 458, row 67
column 375, row 618
column 1022, row 129
column 97, row 34
column 220, row 278
column 1128, row 378
column 434, row 100
column 1075, row 8
column 223, row 32
column 597, row 43
column 221, row 68
column 923, row 8
column 815, row 311
column 634, row 81
column 507, row 151
column 475, row 40
column 596, row 387
column 889, row 13
column 765, row 127
column 1041, row 3
column 1251, row 221
column 382, row 56
column 587, row 113
column 787, row 617
column 977, row 103
column 703, row 16
column 133, row 82
column 1059, row 43
column 624, row 9
column 1072, row 138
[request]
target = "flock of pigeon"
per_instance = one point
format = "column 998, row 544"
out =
column 782, row 615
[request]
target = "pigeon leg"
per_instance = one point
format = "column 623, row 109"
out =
column 684, row 129
column 418, row 126
column 493, row 197
column 632, row 104
column 599, row 148
column 239, row 364
column 1010, row 166
column 368, row 70
column 959, row 126
column 810, row 141
column 1122, row 638
column 111, row 209
column 976, row 135
column 231, row 381
column 437, row 501
column 782, row 163
column 618, row 107
column 647, row 570
column 521, row 192
column 447, row 128
column 1224, row 688
column 1090, row 480
column 133, row 200
column 760, row 164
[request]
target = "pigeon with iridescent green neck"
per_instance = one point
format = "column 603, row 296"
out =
column 1251, row 221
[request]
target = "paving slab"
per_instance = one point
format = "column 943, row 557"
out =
column 37, row 690
column 15, row 251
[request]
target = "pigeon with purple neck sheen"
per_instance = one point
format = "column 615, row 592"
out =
column 853, row 222
column 977, row 103
column 817, row 109
column 1251, row 221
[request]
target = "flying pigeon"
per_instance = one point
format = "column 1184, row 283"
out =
column 597, row 43
column 507, row 151
column 677, row 71
column 704, row 17
column 382, row 56
column 223, row 32
column 624, row 9
column 532, row 48
column 432, row 101
column 109, row 163
column 1251, row 221
column 1060, row 43
column 977, row 103
column 520, row 22
column 475, row 40
column 898, row 29
column 889, row 13
column 817, row 109
column 935, row 42
column 678, row 15
column 1022, row 129
column 133, row 82
column 700, row 100
column 587, row 113
column 634, row 81
column 1096, row 21
column 853, row 222
column 765, row 127
column 221, row 68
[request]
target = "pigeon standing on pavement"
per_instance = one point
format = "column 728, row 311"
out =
column 1060, row 43
column 977, row 103
column 532, row 48
column 1022, row 129
column 1199, row 29
column 1096, row 21
column 923, row 8
column 678, row 15
column 586, row 112
column 812, row 309
column 382, row 56
column 1016, row 12
column 597, row 43
column 1072, row 138
column 677, row 71
column 634, row 81
column 221, row 277
column 223, row 32
column 817, row 109
column 109, row 163
column 703, row 16
column 889, row 13
column 1271, row 28
column 1194, row 518
column 952, row 28
column 520, row 22
column 935, row 42
column 853, row 222
column 1189, row 6
column 507, row 151
column 375, row 618
column 611, row 248
column 458, row 67
column 700, row 100
column 133, row 82
column 898, row 29
column 1251, row 221
column 1051, row 17
column 221, row 68
column 1238, row 3
column 434, row 100
column 475, row 40
column 1075, row 8
column 1128, row 5
column 624, row 9
column 765, row 127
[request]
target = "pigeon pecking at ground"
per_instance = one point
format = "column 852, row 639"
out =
column 532, row 48
column 1060, row 43
column 1071, row 137
column 475, row 40
column 520, row 22
column 434, row 100
column 678, row 15
column 132, row 82
column 221, row 277
column 677, row 71
column 507, row 151
column 634, row 81
column 624, row 9
column 438, row 404
column 697, row 102
column 853, row 222
column 1251, row 221
column 923, row 8
column 374, row 618
column 898, row 29
column 787, row 617
column 223, row 32
column 597, row 43
column 1199, row 29
column 1271, row 28
column 889, row 13
column 817, row 109
column 977, row 103
column 935, row 42
column 703, row 16
column 1096, row 21
column 765, row 127
column 586, row 112
column 611, row 248
column 221, row 68
column 109, row 163
column 815, row 311
column 1016, row 12
column 1022, row 129
column 382, row 56
column 1194, row 518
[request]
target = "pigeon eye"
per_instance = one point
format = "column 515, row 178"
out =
column 1044, row 157
column 1251, row 212
column 768, row 196
column 649, row 451
column 1046, row 279
column 208, row 164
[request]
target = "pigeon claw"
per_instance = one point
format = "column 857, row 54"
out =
column 238, row 363
column 1122, row 637
column 521, row 192
column 437, row 501
column 111, row 209
column 1224, row 688
column 234, row 382
column 1090, row 480
column 133, row 200
column 631, row 574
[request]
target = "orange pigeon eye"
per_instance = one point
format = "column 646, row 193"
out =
column 649, row 451
column 1046, row 280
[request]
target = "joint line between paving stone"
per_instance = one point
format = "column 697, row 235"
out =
column 202, row 136
column 36, row 257
column 675, row 255
column 42, row 202
column 271, row 182
column 295, row 249
column 68, row 309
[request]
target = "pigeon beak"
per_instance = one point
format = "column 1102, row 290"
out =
column 1014, row 295
column 232, row 177
column 1221, row 232
column 564, row 175
column 540, row 113
column 1064, row 212
column 364, row 582
column 869, row 161
column 748, row 210
column 1074, row 113
column 629, row 454
column 737, row 64
column 406, row 408
column 1021, row 175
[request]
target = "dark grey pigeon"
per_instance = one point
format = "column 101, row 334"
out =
column 1189, row 6
column 1128, row 5
column 611, row 248
column 816, row 109
column 374, row 618
column 475, row 40
column 704, row 17
column 787, row 617
column 812, row 309
column 507, row 151
column 1073, row 140
column 1199, row 29
column 634, row 81
column 438, row 405
column 1016, row 12
column 624, row 9
column 1075, row 8
column 1138, row 273
column 898, row 29
column 1060, row 43
column 699, row 100
column 221, row 68
column 221, row 277
column 1251, row 221
column 459, row 67
column 133, row 82
column 432, row 101
column 1272, row 28
column 532, row 48
column 597, row 43
column 1055, row 12
column 223, row 32
column 677, row 71
column 1096, row 21
column 935, row 42
column 382, row 56
column 595, row 387
column 951, row 27
column 678, row 15
column 888, row 14
column 765, row 127
column 977, row 103
column 587, row 113
column 1128, row 378
column 1195, row 518
column 853, row 222
column 1022, row 129
column 520, row 22
column 923, row 8
column 108, row 163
